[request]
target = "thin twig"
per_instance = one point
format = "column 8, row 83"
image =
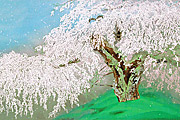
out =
column 104, row 76
column 102, row 68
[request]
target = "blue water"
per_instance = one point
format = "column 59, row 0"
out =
column 24, row 22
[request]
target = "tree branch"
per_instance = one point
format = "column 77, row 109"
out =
column 70, row 62
column 104, row 85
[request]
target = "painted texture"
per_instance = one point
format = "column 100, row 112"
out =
column 151, row 106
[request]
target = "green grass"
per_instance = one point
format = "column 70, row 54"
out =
column 151, row 106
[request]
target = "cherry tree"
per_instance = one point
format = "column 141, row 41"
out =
column 133, row 40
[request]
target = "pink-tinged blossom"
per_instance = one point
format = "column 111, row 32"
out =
column 145, row 26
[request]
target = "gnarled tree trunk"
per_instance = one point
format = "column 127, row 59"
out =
column 127, row 77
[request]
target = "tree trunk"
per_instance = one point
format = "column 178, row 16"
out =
column 124, row 91
column 127, row 77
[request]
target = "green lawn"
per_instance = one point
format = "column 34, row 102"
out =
column 151, row 106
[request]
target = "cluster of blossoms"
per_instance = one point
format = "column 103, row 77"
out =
column 163, row 76
column 68, row 62
column 25, row 81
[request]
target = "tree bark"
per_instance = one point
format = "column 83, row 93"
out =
column 127, row 77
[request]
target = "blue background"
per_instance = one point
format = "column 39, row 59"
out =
column 23, row 23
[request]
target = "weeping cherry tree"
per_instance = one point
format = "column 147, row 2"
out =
column 133, row 40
